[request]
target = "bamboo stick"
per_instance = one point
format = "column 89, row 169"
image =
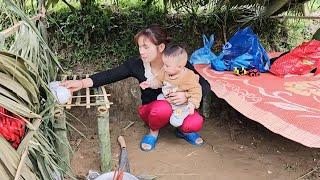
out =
column 21, row 163
column 78, row 99
column 70, row 100
column 104, row 135
column 29, row 135
column 84, row 104
column 64, row 77
column 91, row 95
column 104, row 138
column 105, row 97
column 62, row 143
column 8, row 32
column 87, row 95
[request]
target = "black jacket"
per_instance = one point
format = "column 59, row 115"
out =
column 134, row 68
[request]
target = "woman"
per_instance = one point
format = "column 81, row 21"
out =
column 155, row 113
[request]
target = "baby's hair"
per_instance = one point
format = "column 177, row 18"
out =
column 177, row 52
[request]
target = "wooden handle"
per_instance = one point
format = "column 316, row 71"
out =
column 122, row 142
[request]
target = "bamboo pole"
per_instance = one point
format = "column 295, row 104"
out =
column 104, row 138
column 78, row 99
column 87, row 94
column 8, row 32
column 29, row 135
column 104, row 135
column 84, row 104
column 105, row 95
column 70, row 100
column 62, row 143
column 22, row 161
column 90, row 95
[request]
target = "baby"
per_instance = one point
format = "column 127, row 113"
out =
column 175, row 77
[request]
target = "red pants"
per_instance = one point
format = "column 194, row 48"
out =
column 157, row 114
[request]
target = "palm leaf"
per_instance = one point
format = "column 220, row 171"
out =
column 29, row 64
column 17, row 108
column 14, row 87
column 8, row 94
column 11, row 6
column 10, row 158
column 9, row 66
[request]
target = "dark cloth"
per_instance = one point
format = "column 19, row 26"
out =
column 272, row 60
column 134, row 68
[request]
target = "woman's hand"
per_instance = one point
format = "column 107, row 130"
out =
column 73, row 85
column 177, row 98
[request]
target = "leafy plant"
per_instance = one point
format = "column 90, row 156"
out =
column 26, row 68
column 79, row 45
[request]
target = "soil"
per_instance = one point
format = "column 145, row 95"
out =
column 234, row 148
column 254, row 154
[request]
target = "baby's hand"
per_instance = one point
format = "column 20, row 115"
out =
column 191, row 108
column 144, row 85
column 191, row 111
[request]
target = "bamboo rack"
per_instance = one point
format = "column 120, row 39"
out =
column 87, row 97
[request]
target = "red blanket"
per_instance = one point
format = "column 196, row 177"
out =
column 288, row 106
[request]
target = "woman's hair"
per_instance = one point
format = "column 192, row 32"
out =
column 155, row 34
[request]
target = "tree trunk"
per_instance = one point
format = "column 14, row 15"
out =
column 273, row 7
column 73, row 9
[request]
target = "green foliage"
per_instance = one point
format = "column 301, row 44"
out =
column 298, row 32
column 5, row 20
column 76, row 36
column 99, row 38
column 273, row 35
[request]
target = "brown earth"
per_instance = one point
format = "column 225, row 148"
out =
column 236, row 147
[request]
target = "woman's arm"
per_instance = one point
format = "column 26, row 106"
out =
column 106, row 77
column 113, row 75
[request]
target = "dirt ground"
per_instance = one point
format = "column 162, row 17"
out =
column 235, row 147
column 237, row 150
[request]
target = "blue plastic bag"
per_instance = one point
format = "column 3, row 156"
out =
column 244, row 50
column 218, row 64
column 204, row 55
